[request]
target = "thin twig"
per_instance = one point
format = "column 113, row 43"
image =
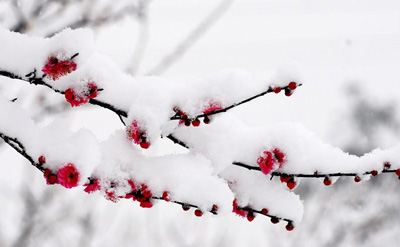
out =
column 269, row 90
column 19, row 147
column 39, row 81
column 315, row 175
column 177, row 141
column 268, row 215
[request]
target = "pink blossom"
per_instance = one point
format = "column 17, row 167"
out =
column 238, row 210
column 92, row 93
column 68, row 176
column 212, row 106
column 74, row 99
column 92, row 186
column 111, row 196
column 54, row 68
column 279, row 156
column 134, row 132
column 266, row 162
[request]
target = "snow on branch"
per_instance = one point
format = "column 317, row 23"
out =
column 211, row 176
column 287, row 150
column 82, row 79
column 114, row 166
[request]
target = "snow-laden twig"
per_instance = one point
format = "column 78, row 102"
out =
column 33, row 79
column 315, row 175
column 19, row 147
column 225, row 109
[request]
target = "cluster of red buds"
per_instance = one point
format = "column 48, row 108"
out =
column 271, row 160
column 245, row 212
column 137, row 135
column 55, row 68
column 358, row 178
column 187, row 121
column 212, row 107
column 386, row 166
column 79, row 98
column 289, row 180
column 289, row 89
column 198, row 212
column 142, row 195
column 92, row 186
column 249, row 213
column 67, row 176
column 184, row 119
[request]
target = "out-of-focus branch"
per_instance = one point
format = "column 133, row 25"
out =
column 142, row 39
column 191, row 39
column 22, row 21
column 86, row 18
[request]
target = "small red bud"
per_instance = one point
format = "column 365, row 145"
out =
column 52, row 179
column 398, row 172
column 292, row 85
column 42, row 159
column 146, row 204
column 327, row 181
column 214, row 209
column 291, row 184
column 250, row 216
column 185, row 207
column 70, row 95
column 166, row 196
column 206, row 120
column 357, row 179
column 386, row 165
column 147, row 193
column 288, row 92
column 284, row 178
column 198, row 213
column 289, row 226
column 145, row 145
column 374, row 173
column 264, row 211
column 274, row 220
column 196, row 122
column 277, row 89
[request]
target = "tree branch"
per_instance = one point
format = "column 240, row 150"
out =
column 39, row 81
column 315, row 175
column 19, row 147
column 269, row 90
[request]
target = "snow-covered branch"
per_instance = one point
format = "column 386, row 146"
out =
column 211, row 176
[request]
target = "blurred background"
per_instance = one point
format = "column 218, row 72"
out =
column 348, row 52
